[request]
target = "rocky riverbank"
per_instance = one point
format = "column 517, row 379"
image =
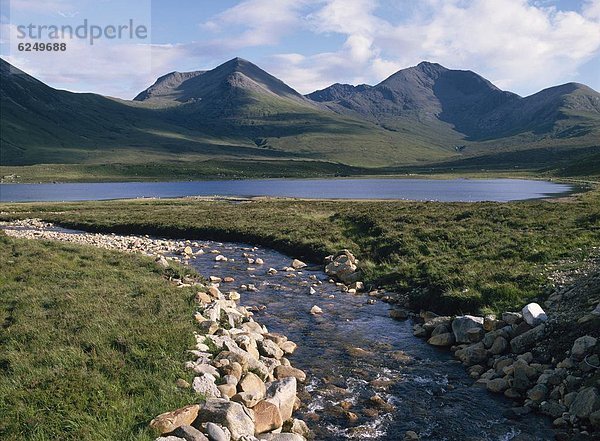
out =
column 545, row 361
column 240, row 370
column 249, row 386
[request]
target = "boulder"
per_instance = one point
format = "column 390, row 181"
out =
column 586, row 402
column 527, row 340
column 475, row 334
column 269, row 348
column 499, row 346
column 247, row 399
column 511, row 318
column 316, row 310
column 289, row 371
column 552, row 408
column 189, row 433
column 204, row 368
column 282, row 393
column 445, row 339
column 343, row 267
column 497, row 385
column 411, row 435
column 169, row 421
column 298, row 264
column 399, row 314
column 203, row 298
column 266, row 417
column 288, row 347
column 522, row 375
column 419, row 331
column 538, row 393
column 462, row 324
column 440, row 329
column 432, row 323
column 227, row 390
column 161, row 261
column 297, row 426
column 473, row 354
column 250, row 383
column 228, row 414
column 582, row 346
column 533, row 314
column 215, row 433
column 205, row 385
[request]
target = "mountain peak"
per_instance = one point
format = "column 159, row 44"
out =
column 237, row 63
column 430, row 65
column 233, row 77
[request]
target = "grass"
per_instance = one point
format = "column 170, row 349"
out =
column 92, row 342
column 449, row 257
column 176, row 171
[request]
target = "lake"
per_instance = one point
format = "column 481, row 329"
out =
column 449, row 190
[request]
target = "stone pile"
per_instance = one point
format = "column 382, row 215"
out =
column 242, row 372
column 179, row 250
column 508, row 355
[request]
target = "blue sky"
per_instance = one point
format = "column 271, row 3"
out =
column 522, row 46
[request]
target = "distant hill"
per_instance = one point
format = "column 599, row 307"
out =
column 426, row 114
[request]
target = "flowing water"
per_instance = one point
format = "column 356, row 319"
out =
column 354, row 351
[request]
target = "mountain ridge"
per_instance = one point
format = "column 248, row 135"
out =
column 419, row 115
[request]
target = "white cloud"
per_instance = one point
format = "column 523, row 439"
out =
column 519, row 45
column 514, row 43
column 591, row 10
column 263, row 22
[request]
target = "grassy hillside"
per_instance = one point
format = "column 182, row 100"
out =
column 445, row 256
column 92, row 342
column 237, row 112
column 41, row 125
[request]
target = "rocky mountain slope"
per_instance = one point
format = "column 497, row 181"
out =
column 470, row 104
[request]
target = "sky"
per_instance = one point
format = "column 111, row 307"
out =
column 520, row 45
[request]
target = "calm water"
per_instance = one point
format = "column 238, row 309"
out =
column 499, row 190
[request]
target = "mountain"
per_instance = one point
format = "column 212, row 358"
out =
column 430, row 93
column 424, row 115
column 224, row 90
column 235, row 111
column 336, row 91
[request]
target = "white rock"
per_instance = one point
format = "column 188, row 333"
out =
column 533, row 314
column 298, row 264
column 206, row 386
column 316, row 310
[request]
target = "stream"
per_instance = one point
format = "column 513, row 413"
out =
column 354, row 351
column 368, row 376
